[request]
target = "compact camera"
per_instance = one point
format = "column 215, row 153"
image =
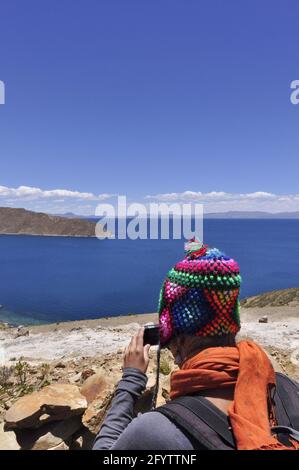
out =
column 151, row 335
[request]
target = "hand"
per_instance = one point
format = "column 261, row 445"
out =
column 136, row 355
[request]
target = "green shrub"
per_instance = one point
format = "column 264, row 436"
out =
column 21, row 371
column 165, row 367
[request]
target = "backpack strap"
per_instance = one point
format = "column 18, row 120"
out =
column 286, row 399
column 189, row 412
column 290, row 432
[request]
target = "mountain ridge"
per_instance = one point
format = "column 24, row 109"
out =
column 19, row 221
column 252, row 215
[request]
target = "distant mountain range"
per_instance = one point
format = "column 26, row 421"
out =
column 225, row 215
column 252, row 215
column 24, row 222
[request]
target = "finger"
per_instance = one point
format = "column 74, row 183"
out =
column 139, row 339
column 132, row 346
column 146, row 352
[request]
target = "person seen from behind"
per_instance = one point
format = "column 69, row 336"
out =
column 229, row 384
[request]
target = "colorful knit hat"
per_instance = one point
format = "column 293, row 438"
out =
column 200, row 295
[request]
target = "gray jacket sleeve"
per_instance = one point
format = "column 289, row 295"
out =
column 149, row 431
column 121, row 413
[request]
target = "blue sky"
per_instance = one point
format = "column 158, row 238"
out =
column 179, row 100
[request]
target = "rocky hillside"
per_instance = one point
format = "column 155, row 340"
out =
column 276, row 298
column 61, row 405
column 23, row 222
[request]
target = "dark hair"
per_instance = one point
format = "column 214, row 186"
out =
column 202, row 342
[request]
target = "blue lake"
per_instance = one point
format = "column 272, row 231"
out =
column 47, row 279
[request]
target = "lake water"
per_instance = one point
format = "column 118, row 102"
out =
column 47, row 279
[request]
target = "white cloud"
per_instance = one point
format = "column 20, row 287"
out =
column 53, row 200
column 84, row 203
column 219, row 201
column 258, row 195
column 29, row 192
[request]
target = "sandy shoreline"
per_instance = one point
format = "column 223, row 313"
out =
column 104, row 322
column 274, row 314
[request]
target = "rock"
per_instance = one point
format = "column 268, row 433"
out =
column 7, row 404
column 295, row 357
column 82, row 440
column 87, row 373
column 151, row 382
column 60, row 365
column 273, row 359
column 61, row 446
column 144, row 403
column 75, row 378
column 95, row 413
column 161, row 400
column 165, row 382
column 8, row 439
column 98, row 390
column 52, row 403
column 21, row 331
column 96, row 386
column 50, row 436
column 263, row 319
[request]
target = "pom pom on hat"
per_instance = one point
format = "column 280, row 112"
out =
column 195, row 249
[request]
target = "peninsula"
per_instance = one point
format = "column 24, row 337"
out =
column 14, row 221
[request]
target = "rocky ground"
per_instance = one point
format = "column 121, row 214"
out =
column 60, row 404
column 56, row 381
column 68, row 339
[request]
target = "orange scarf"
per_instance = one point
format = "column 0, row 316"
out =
column 246, row 367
